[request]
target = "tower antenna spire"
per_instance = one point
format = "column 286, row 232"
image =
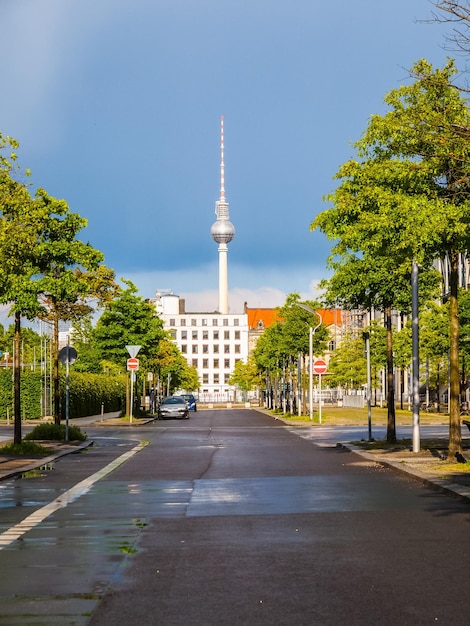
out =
column 222, row 164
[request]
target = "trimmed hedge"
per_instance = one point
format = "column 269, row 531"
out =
column 86, row 393
column 31, row 389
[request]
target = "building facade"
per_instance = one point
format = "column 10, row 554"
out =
column 210, row 342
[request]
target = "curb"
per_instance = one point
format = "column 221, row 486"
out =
column 438, row 484
column 34, row 464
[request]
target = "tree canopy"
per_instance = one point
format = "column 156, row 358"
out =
column 405, row 199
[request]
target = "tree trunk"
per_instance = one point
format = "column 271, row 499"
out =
column 17, row 380
column 455, row 433
column 391, row 431
column 56, row 371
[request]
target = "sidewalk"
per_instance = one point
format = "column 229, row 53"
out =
column 424, row 466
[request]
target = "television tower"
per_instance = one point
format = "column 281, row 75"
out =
column 222, row 230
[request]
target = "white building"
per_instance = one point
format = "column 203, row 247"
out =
column 211, row 342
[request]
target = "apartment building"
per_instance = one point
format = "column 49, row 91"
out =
column 212, row 342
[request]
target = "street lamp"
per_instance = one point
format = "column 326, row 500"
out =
column 310, row 355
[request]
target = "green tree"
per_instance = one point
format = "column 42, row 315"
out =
column 172, row 367
column 347, row 367
column 72, row 275
column 19, row 271
column 278, row 348
column 406, row 200
column 245, row 375
column 83, row 341
column 128, row 320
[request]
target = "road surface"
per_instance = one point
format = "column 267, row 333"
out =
column 228, row 518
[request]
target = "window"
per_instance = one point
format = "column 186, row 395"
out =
column 184, row 334
column 205, row 363
column 227, row 348
column 332, row 346
column 204, row 322
column 227, row 363
column 225, row 321
column 193, row 322
column 194, row 334
column 182, row 322
column 215, row 322
column 216, row 379
column 205, row 379
column 226, row 334
column 194, row 363
column 173, row 334
column 216, row 348
column 216, row 334
column 235, row 322
column 194, row 349
column 184, row 348
column 236, row 361
column 226, row 378
column 237, row 348
column 237, row 334
column 205, row 348
column 216, row 364
column 172, row 321
column 205, row 334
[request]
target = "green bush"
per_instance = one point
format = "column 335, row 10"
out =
column 55, row 432
column 31, row 389
column 25, row 448
column 87, row 392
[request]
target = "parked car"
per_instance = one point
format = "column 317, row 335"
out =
column 190, row 400
column 173, row 407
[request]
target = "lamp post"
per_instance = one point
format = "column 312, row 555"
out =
column 310, row 353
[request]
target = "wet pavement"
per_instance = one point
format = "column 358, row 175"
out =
column 228, row 518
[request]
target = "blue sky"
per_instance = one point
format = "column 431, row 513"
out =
column 117, row 103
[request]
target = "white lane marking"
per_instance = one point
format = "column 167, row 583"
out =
column 81, row 488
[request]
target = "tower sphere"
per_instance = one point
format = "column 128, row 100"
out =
column 222, row 231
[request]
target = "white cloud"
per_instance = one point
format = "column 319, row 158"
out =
column 257, row 286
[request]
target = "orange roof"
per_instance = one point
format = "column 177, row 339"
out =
column 330, row 317
column 267, row 317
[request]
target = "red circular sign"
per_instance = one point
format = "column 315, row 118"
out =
column 319, row 366
column 132, row 364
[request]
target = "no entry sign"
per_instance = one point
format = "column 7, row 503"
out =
column 132, row 365
column 319, row 366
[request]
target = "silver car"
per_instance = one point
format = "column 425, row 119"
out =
column 173, row 407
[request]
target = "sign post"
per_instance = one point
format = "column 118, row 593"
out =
column 319, row 367
column 132, row 367
column 68, row 356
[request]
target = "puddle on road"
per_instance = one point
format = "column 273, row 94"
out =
column 38, row 472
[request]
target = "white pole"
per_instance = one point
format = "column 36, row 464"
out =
column 415, row 357
column 310, row 371
column 132, row 395
column 67, row 394
column 319, row 400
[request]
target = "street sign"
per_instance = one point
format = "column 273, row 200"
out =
column 133, row 351
column 132, row 365
column 319, row 366
column 67, row 353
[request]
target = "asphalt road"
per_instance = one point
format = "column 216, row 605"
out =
column 228, row 518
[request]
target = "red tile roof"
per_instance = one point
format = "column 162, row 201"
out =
column 269, row 316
